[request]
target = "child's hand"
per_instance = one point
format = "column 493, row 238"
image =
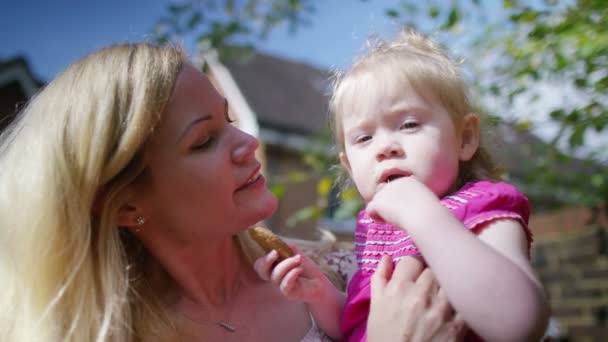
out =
column 402, row 201
column 297, row 277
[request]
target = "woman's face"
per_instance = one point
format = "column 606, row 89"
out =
column 202, row 177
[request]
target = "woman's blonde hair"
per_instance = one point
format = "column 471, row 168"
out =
column 68, row 275
column 415, row 60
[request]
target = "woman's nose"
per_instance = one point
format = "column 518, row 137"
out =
column 389, row 149
column 245, row 146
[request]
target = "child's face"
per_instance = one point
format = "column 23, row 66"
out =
column 398, row 132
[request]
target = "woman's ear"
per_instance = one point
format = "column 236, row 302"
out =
column 130, row 213
column 128, row 216
column 345, row 163
column 469, row 137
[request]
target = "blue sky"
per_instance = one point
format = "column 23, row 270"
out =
column 51, row 34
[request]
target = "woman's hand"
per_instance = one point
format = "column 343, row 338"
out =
column 407, row 305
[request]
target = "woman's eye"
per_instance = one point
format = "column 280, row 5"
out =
column 409, row 125
column 202, row 145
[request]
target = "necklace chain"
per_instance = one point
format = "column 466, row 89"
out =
column 224, row 325
column 231, row 328
column 228, row 327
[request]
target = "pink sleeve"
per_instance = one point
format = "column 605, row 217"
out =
column 480, row 203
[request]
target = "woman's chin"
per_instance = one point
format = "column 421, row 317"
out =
column 268, row 205
column 263, row 208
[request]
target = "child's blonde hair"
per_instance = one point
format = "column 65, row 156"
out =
column 415, row 60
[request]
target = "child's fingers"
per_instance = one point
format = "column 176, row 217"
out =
column 383, row 273
column 290, row 280
column 263, row 265
column 373, row 213
column 281, row 269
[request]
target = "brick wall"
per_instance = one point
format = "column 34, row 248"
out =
column 571, row 258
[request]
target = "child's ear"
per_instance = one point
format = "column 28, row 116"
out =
column 469, row 136
column 345, row 163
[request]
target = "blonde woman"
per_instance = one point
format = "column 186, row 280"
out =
column 123, row 191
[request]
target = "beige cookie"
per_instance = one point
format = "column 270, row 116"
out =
column 269, row 241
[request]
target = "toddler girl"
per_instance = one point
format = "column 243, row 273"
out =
column 410, row 141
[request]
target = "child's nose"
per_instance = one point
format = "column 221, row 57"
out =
column 389, row 149
column 245, row 146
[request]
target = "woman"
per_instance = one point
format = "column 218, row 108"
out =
column 124, row 190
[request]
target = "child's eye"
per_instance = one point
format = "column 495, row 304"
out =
column 363, row 139
column 409, row 125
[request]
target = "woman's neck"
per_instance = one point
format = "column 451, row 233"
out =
column 209, row 275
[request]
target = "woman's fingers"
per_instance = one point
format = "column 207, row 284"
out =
column 442, row 305
column 382, row 275
column 426, row 286
column 407, row 270
column 456, row 329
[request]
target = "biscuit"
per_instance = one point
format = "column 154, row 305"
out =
column 269, row 241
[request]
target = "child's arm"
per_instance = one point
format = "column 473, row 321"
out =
column 300, row 279
column 488, row 279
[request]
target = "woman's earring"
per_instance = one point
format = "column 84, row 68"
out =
column 140, row 221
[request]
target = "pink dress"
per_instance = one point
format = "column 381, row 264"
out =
column 475, row 204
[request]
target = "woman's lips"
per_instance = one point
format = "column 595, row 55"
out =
column 255, row 178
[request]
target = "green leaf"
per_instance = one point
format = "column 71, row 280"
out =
column 434, row 12
column 557, row 114
column 324, row 186
column 297, row 177
column 278, row 190
column 507, row 4
column 580, row 82
column 578, row 137
column 453, row 18
column 304, row 214
column 598, row 180
column 392, row 13
column 524, row 125
column 195, row 19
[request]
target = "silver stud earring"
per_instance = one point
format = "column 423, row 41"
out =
column 140, row 220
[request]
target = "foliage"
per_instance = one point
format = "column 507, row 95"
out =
column 336, row 196
column 533, row 43
column 229, row 26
